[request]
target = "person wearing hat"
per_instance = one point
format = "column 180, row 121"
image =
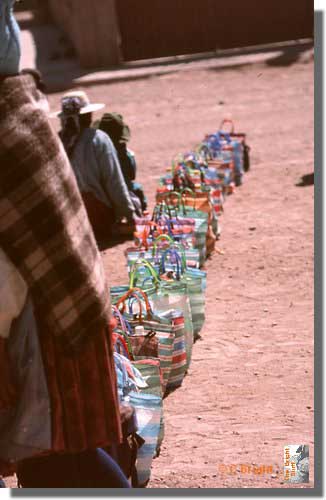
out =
column 114, row 125
column 96, row 166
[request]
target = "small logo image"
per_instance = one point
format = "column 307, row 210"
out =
column 296, row 463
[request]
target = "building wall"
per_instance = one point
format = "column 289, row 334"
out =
column 105, row 32
column 92, row 27
column 159, row 28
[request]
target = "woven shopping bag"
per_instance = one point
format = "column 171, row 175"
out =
column 218, row 152
column 154, row 251
column 202, row 202
column 166, row 297
column 179, row 354
column 138, row 343
column 181, row 229
column 195, row 291
column 148, row 409
column 213, row 183
column 239, row 137
column 191, row 256
column 195, row 285
column 177, row 202
column 201, row 224
column 163, row 242
column 164, row 327
column 151, row 372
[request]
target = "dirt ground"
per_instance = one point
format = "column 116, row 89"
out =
column 249, row 390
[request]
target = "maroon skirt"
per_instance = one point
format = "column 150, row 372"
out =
column 83, row 394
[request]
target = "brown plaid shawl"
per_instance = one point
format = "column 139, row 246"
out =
column 44, row 228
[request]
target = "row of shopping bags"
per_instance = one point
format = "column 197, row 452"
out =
column 216, row 166
column 160, row 310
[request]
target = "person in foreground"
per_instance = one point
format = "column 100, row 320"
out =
column 58, row 395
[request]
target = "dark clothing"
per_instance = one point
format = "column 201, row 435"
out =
column 128, row 167
column 113, row 125
column 91, row 469
column 127, row 164
column 100, row 216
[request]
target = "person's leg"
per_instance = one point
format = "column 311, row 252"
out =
column 102, row 470
column 90, row 469
column 53, row 471
column 2, row 483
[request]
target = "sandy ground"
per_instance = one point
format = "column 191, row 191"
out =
column 249, row 390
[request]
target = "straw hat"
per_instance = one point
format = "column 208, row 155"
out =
column 76, row 102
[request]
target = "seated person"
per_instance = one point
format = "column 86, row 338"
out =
column 119, row 133
column 96, row 166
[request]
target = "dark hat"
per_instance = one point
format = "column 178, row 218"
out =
column 113, row 125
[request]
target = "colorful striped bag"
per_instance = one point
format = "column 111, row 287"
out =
column 148, row 408
column 151, row 372
column 164, row 296
column 165, row 328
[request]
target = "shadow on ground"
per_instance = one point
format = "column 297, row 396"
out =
column 307, row 180
column 291, row 55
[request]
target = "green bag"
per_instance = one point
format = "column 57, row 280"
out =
column 191, row 255
column 153, row 254
column 148, row 409
column 202, row 201
column 196, row 284
column 151, row 371
column 164, row 327
column 200, row 218
column 165, row 296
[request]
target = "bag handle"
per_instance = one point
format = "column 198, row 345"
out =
column 161, row 237
column 182, row 251
column 118, row 338
column 143, row 237
column 138, row 299
column 169, row 194
column 177, row 244
column 164, row 237
column 159, row 213
column 135, row 272
column 117, row 314
column 124, row 339
column 188, row 190
column 137, row 293
column 227, row 120
column 149, row 278
column 170, row 251
column 224, row 135
column 176, row 161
